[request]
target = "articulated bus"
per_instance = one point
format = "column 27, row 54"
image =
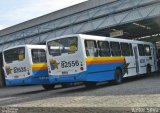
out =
column 26, row 65
column 91, row 59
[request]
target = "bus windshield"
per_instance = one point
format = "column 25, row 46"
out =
column 64, row 45
column 14, row 54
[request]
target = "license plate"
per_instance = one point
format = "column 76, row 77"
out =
column 16, row 76
column 64, row 73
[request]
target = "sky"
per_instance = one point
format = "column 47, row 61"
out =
column 13, row 12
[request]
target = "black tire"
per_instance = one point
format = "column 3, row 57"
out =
column 148, row 70
column 118, row 77
column 90, row 84
column 48, row 86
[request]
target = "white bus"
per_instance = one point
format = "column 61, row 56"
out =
column 91, row 59
column 26, row 65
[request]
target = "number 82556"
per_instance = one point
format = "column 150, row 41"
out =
column 65, row 64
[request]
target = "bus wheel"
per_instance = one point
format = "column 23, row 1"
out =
column 90, row 84
column 48, row 86
column 148, row 70
column 118, row 77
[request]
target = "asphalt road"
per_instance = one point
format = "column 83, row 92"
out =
column 133, row 92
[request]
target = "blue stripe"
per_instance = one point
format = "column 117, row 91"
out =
column 38, row 77
column 31, row 80
column 103, row 67
column 40, row 73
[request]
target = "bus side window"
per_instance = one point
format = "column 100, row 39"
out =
column 91, row 48
column 104, row 49
column 38, row 56
column 141, row 50
column 125, row 49
column 147, row 50
column 131, row 49
column 115, row 49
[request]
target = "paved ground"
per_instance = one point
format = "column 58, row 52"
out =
column 133, row 92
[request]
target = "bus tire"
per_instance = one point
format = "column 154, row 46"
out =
column 148, row 70
column 118, row 76
column 48, row 86
column 90, row 84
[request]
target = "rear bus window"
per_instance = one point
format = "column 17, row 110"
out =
column 91, row 48
column 38, row 56
column 16, row 54
column 65, row 45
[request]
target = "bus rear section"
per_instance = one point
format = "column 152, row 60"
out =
column 66, row 60
column 25, row 65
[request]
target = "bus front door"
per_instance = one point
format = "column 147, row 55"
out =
column 136, row 58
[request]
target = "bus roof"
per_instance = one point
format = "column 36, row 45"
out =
column 28, row 46
column 113, row 39
column 91, row 37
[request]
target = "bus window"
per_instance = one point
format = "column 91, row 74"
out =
column 14, row 54
column 54, row 47
column 38, row 56
column 91, row 48
column 104, row 49
column 147, row 50
column 141, row 50
column 64, row 45
column 115, row 49
column 125, row 49
column 131, row 50
column 72, row 45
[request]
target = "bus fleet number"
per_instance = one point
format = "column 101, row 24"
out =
column 65, row 64
column 19, row 69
